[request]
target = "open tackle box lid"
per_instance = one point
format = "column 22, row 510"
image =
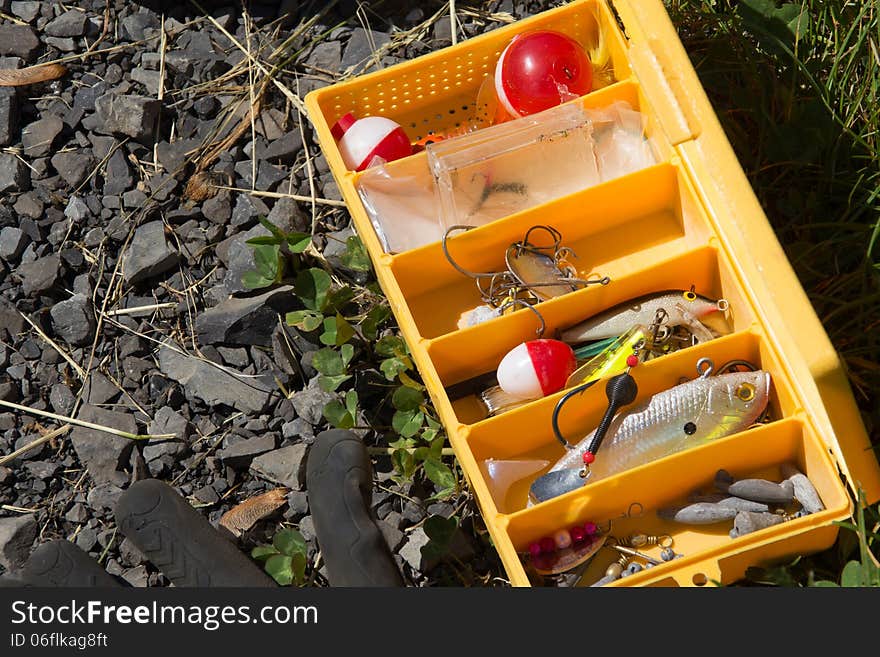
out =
column 651, row 67
column 661, row 64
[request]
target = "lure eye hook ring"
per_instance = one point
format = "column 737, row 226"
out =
column 705, row 367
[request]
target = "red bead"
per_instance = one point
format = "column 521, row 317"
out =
column 632, row 360
column 588, row 457
column 577, row 534
column 590, row 528
column 547, row 544
column 534, row 550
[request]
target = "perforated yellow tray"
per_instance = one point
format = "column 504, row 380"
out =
column 690, row 220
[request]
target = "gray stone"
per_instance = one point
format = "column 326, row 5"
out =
column 246, row 210
column 137, row 577
column 62, row 399
column 287, row 212
column 26, row 11
column 309, row 402
column 117, row 175
column 64, row 44
column 236, row 356
column 218, row 208
column 77, row 210
column 244, row 451
column 136, row 25
column 71, row 23
column 73, row 320
column 14, row 174
column 37, row 138
column 297, row 504
column 239, row 257
column 360, row 46
column 148, row 253
column 104, row 497
column 214, row 385
column 8, row 116
column 326, row 56
column 134, row 116
column 98, row 389
column 285, row 466
column 6, row 476
column 169, row 421
column 393, row 536
column 40, row 275
column 307, row 529
column 12, row 242
column 10, row 318
column 156, row 451
column 73, row 166
column 245, row 321
column 206, row 495
column 29, row 205
column 286, row 148
column 42, row 469
column 150, row 79
column 77, row 513
column 412, row 550
column 17, row 534
column 86, row 539
column 19, row 40
column 9, row 391
column 176, row 154
column 104, row 454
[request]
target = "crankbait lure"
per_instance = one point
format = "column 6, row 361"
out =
column 676, row 419
column 681, row 308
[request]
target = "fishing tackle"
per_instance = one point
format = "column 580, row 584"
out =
column 536, row 368
column 566, row 549
column 675, row 419
column 611, row 360
column 680, row 308
column 533, row 273
column 756, row 490
column 804, row 491
column 643, row 540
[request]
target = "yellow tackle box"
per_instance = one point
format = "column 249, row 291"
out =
column 692, row 219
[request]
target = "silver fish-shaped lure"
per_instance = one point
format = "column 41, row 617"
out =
column 683, row 308
column 676, row 419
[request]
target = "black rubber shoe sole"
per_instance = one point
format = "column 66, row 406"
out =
column 60, row 563
column 180, row 542
column 340, row 489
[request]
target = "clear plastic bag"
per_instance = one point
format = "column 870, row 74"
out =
column 401, row 200
column 501, row 170
column 497, row 171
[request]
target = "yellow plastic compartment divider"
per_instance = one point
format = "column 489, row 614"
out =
column 691, row 219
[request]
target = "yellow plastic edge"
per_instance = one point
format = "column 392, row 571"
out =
column 740, row 222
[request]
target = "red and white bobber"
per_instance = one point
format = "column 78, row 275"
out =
column 539, row 70
column 536, row 368
column 361, row 140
